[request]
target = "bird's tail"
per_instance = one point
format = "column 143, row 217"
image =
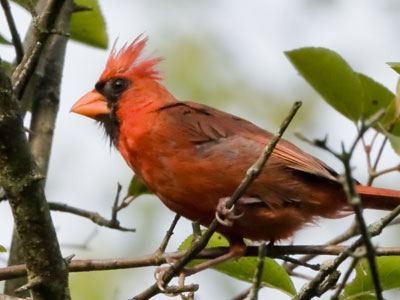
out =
column 377, row 198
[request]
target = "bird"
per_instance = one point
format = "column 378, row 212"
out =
column 193, row 157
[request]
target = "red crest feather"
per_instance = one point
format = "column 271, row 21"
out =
column 126, row 60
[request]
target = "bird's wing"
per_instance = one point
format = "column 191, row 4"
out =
column 206, row 124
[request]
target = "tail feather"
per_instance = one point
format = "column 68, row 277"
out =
column 377, row 198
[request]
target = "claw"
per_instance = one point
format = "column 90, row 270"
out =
column 159, row 277
column 225, row 216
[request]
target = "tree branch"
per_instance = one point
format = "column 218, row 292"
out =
column 43, row 26
column 43, row 89
column 354, row 199
column 19, row 50
column 311, row 289
column 93, row 216
column 346, row 277
column 21, row 182
column 257, row 275
column 156, row 259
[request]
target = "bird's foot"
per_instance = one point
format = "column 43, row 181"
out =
column 226, row 216
column 159, row 276
column 173, row 291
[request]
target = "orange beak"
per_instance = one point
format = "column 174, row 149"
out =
column 91, row 105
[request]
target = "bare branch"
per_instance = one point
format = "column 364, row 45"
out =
column 310, row 290
column 209, row 253
column 315, row 267
column 19, row 50
column 348, row 234
column 21, row 182
column 35, row 282
column 93, row 216
column 346, row 277
column 43, row 26
column 378, row 157
column 257, row 275
column 385, row 171
column 354, row 199
column 168, row 235
column 114, row 211
column 175, row 290
column 42, row 93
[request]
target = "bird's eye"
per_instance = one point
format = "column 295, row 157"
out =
column 114, row 87
column 119, row 85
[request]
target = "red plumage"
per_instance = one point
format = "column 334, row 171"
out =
column 192, row 155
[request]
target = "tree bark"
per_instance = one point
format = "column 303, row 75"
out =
column 42, row 93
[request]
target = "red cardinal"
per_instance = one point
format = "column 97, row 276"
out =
column 193, row 156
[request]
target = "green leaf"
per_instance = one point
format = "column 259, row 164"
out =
column 391, row 120
column 394, row 141
column 88, row 27
column 4, row 41
column 2, row 249
column 376, row 96
column 273, row 274
column 362, row 285
column 395, row 66
column 137, row 187
column 331, row 77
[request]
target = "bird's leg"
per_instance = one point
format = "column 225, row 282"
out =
column 159, row 275
column 226, row 216
column 236, row 250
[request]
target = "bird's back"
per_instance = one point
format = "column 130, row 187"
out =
column 192, row 155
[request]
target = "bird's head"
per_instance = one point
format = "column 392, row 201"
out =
column 126, row 79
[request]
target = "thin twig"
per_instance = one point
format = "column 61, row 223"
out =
column 388, row 170
column 36, row 281
column 24, row 70
column 310, row 290
column 346, row 277
column 251, row 174
column 168, row 235
column 114, row 210
column 367, row 150
column 16, row 40
column 175, row 290
column 354, row 200
column 378, row 157
column 299, row 262
column 258, row 273
column 93, row 216
column 348, row 234
column 43, row 25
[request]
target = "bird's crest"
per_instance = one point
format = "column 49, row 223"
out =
column 126, row 60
